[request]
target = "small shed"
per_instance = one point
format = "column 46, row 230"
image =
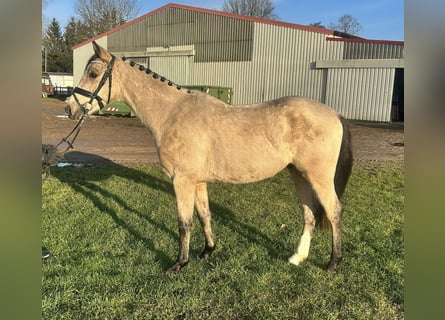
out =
column 61, row 79
column 262, row 59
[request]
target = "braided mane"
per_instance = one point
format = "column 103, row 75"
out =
column 154, row 74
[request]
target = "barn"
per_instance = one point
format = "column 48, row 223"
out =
column 262, row 59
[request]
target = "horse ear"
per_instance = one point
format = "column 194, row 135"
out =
column 101, row 53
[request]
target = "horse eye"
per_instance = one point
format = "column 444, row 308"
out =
column 93, row 74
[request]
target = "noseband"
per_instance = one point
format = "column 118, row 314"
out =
column 94, row 95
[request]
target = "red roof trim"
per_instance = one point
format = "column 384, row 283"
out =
column 119, row 27
column 399, row 43
column 249, row 18
column 209, row 11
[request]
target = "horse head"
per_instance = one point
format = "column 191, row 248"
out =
column 95, row 85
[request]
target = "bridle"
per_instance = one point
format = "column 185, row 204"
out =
column 93, row 96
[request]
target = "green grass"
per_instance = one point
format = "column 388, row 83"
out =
column 112, row 230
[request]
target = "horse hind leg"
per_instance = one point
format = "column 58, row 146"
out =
column 336, row 253
column 204, row 214
column 333, row 210
column 309, row 205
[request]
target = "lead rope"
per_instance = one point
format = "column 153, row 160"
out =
column 50, row 153
column 76, row 131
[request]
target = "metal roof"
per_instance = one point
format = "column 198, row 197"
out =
column 332, row 34
column 213, row 12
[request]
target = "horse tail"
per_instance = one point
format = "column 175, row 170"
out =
column 342, row 173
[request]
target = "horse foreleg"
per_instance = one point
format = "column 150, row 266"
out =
column 184, row 191
column 204, row 214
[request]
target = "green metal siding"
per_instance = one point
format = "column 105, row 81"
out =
column 364, row 50
column 215, row 38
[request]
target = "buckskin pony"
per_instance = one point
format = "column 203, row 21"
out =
column 200, row 139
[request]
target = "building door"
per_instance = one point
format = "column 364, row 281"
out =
column 398, row 103
column 174, row 68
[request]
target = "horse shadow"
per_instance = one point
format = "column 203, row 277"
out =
column 88, row 187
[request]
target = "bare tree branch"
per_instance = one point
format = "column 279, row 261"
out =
column 254, row 8
column 103, row 15
column 348, row 24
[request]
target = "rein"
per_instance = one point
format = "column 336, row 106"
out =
column 76, row 131
column 95, row 96
column 50, row 153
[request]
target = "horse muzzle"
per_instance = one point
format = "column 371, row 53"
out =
column 91, row 108
column 76, row 115
column 85, row 109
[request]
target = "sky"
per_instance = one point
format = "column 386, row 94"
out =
column 380, row 19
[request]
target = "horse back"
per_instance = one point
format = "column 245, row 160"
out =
column 214, row 141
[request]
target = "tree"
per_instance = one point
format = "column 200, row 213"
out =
column 348, row 24
column 317, row 24
column 102, row 15
column 96, row 17
column 44, row 18
column 54, row 46
column 254, row 8
column 75, row 33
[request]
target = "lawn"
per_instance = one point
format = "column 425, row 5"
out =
column 112, row 230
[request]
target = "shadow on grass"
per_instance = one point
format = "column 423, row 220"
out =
column 85, row 185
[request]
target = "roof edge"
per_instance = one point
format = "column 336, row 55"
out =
column 250, row 18
column 209, row 11
column 392, row 42
column 126, row 24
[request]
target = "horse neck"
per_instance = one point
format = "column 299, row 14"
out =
column 152, row 100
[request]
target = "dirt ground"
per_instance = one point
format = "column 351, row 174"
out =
column 126, row 140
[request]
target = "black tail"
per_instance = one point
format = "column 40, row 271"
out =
column 344, row 163
column 342, row 173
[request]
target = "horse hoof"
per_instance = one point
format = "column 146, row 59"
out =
column 174, row 269
column 206, row 253
column 331, row 271
column 296, row 259
column 333, row 265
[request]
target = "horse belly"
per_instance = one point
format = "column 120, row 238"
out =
column 242, row 166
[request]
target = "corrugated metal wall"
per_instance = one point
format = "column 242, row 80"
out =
column 284, row 61
column 361, row 93
column 176, row 68
column 216, row 38
column 260, row 61
column 281, row 66
column 370, row 50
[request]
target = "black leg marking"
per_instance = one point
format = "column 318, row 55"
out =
column 183, row 257
column 207, row 252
